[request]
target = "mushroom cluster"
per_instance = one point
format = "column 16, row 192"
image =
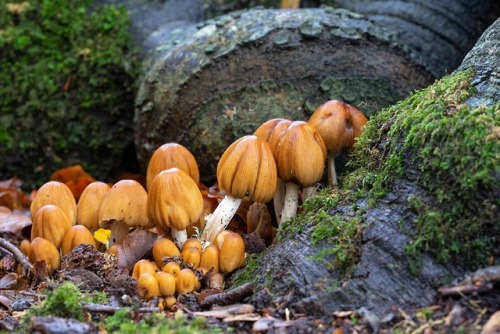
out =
column 197, row 237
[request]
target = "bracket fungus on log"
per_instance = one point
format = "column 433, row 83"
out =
column 241, row 69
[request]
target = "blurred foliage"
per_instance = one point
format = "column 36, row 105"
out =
column 67, row 85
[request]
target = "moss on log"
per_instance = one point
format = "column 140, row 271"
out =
column 242, row 69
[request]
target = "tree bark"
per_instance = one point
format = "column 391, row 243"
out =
column 237, row 71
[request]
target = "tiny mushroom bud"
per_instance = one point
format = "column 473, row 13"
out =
column 147, row 286
column 77, row 235
column 123, row 207
column 191, row 256
column 172, row 268
column 87, row 213
column 164, row 247
column 186, row 281
column 174, row 201
column 44, row 250
column 56, row 193
column 50, row 223
column 300, row 158
column 172, row 155
column 210, row 258
column 166, row 282
column 338, row 123
column 232, row 253
column 247, row 168
column 25, row 246
column 192, row 242
column 170, row 301
column 143, row 266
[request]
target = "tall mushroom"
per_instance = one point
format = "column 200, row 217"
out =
column 87, row 209
column 123, row 207
column 271, row 131
column 172, row 155
column 338, row 123
column 246, row 168
column 300, row 159
column 56, row 193
column 174, row 201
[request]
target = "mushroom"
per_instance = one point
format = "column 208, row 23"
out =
column 247, row 168
column 77, row 235
column 57, row 193
column 50, row 223
column 172, row 155
column 143, row 266
column 191, row 256
column 271, row 131
column 123, row 207
column 147, row 286
column 25, row 246
column 166, row 282
column 300, row 159
column 174, row 201
column 232, row 253
column 164, row 247
column 338, row 123
column 87, row 209
column 44, row 250
column 210, row 258
column 172, row 268
column 186, row 281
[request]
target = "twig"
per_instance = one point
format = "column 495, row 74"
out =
column 33, row 294
column 20, row 257
column 98, row 308
column 464, row 289
column 228, row 297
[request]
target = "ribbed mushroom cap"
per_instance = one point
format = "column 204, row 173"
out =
column 172, row 155
column 89, row 204
column 77, row 235
column 174, row 200
column 50, row 223
column 248, row 168
column 57, row 193
column 124, row 202
column 271, row 131
column 333, row 120
column 44, row 250
column 301, row 155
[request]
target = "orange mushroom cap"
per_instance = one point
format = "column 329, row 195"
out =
column 172, row 155
column 44, row 250
column 50, row 223
column 57, row 193
column 89, row 204
column 174, row 200
column 248, row 168
column 77, row 235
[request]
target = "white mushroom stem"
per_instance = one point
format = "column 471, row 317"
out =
column 291, row 202
column 309, row 192
column 279, row 199
column 179, row 237
column 332, row 174
column 220, row 218
column 118, row 230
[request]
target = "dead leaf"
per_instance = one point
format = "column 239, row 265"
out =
column 12, row 196
column 133, row 247
column 9, row 281
column 5, row 302
column 14, row 222
column 74, row 177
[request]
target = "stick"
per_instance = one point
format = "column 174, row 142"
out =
column 464, row 289
column 98, row 308
column 228, row 297
column 20, row 257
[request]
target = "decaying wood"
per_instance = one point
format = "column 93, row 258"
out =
column 228, row 297
column 20, row 257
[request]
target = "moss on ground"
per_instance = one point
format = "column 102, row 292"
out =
column 67, row 86
column 451, row 151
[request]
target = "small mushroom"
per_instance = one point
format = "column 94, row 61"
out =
column 300, row 158
column 77, row 235
column 210, row 258
column 247, row 168
column 123, row 207
column 174, row 201
column 191, row 256
column 338, row 123
column 186, row 281
column 232, row 253
column 44, row 250
column 50, row 223
column 147, row 286
column 166, row 283
column 87, row 209
column 143, row 266
column 25, row 246
column 56, row 193
column 164, row 247
column 172, row 155
column 172, row 268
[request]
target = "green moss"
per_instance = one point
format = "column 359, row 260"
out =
column 122, row 322
column 67, row 85
column 455, row 149
column 249, row 274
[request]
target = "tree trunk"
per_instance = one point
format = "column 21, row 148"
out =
column 209, row 88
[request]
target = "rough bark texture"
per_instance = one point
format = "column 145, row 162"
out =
column 484, row 59
column 289, row 274
column 242, row 69
column 439, row 32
